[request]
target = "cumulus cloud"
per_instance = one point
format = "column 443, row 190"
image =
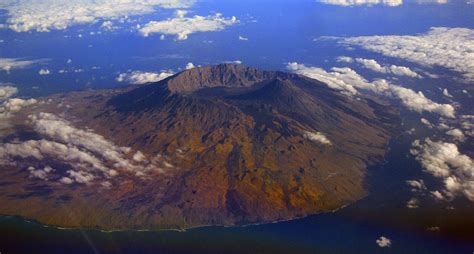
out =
column 14, row 105
column 344, row 59
column 445, row 47
column 349, row 82
column 44, row 72
column 66, row 180
column 88, row 155
column 437, row 195
column 427, row 123
column 467, row 124
column 383, row 242
column 40, row 173
column 443, row 160
column 338, row 79
column 242, row 38
column 416, row 185
column 373, row 65
column 9, row 107
column 139, row 78
column 107, row 25
column 392, row 69
column 456, row 133
column 182, row 26
column 413, row 203
column 46, row 15
column 446, row 93
column 190, row 66
column 7, row 64
column 317, row 137
column 7, row 92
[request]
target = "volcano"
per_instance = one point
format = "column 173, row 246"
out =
column 215, row 145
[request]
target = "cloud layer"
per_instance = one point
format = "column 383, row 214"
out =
column 87, row 155
column 182, row 26
column 349, row 82
column 46, row 15
column 451, row 48
column 391, row 3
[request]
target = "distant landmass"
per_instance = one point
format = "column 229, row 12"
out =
column 215, row 145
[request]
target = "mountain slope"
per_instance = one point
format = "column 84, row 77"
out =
column 235, row 146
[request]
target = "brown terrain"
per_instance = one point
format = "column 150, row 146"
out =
column 232, row 146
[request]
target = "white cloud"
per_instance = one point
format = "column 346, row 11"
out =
column 317, row 137
column 451, row 48
column 44, row 72
column 419, row 103
column 81, row 176
column 467, row 124
column 456, row 133
column 46, row 15
column 392, row 69
column 234, row 62
column 242, row 38
column 344, row 59
column 437, row 195
column 7, row 92
column 362, row 2
column 432, row 1
column 11, row 153
column 427, row 123
column 371, row 64
column 139, row 156
column 182, row 26
column 416, row 185
column 190, row 66
column 443, row 160
column 413, row 203
column 349, row 82
column 446, row 93
column 14, row 105
column 7, row 64
column 391, row 3
column 40, row 173
column 139, row 78
column 66, row 180
column 338, row 79
column 107, row 25
column 383, row 242
column 402, row 71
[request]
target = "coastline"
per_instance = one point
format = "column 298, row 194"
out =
column 184, row 230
